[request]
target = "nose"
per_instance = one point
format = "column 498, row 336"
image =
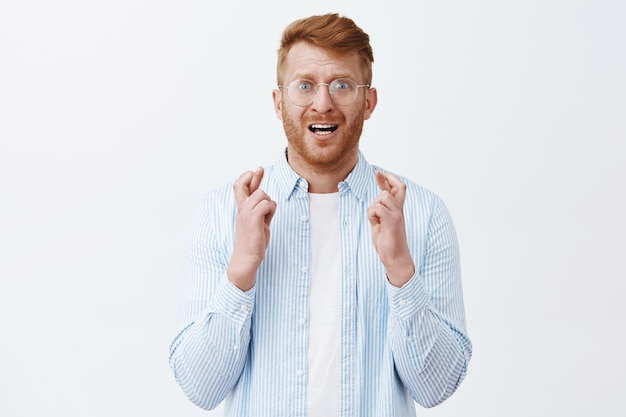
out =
column 322, row 103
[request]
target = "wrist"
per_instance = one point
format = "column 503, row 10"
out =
column 399, row 275
column 242, row 278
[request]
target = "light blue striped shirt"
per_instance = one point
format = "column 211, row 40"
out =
column 250, row 348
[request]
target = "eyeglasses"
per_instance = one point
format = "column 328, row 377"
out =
column 342, row 91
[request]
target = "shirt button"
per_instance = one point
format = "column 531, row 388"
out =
column 409, row 339
column 300, row 372
column 304, row 218
column 243, row 307
column 236, row 348
column 304, row 269
column 402, row 303
column 301, row 321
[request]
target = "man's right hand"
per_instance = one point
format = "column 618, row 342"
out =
column 255, row 210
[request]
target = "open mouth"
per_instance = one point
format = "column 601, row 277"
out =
column 323, row 129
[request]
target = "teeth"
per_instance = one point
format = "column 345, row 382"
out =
column 322, row 129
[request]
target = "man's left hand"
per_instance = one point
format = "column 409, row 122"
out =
column 386, row 215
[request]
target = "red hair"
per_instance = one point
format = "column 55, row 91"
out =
column 337, row 35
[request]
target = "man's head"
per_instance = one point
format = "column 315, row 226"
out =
column 337, row 35
column 324, row 93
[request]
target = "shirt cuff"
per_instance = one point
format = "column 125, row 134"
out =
column 406, row 301
column 233, row 303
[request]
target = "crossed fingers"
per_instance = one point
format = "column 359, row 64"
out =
column 250, row 198
column 390, row 201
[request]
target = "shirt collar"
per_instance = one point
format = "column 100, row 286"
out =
column 289, row 181
column 359, row 181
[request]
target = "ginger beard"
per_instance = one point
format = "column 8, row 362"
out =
column 322, row 154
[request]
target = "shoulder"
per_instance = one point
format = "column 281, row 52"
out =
column 217, row 210
column 220, row 197
column 416, row 193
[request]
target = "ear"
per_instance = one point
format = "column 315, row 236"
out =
column 371, row 99
column 277, row 96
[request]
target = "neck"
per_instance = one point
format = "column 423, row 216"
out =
column 323, row 184
column 323, row 179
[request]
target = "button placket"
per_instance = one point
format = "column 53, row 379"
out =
column 303, row 296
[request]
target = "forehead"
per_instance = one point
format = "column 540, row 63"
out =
column 304, row 60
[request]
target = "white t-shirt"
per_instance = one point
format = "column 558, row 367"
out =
column 324, row 307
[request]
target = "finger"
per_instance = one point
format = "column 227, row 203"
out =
column 270, row 213
column 247, row 184
column 241, row 187
column 386, row 208
column 381, row 179
column 373, row 215
column 257, row 176
column 398, row 188
column 393, row 180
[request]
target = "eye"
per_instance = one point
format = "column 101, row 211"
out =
column 304, row 86
column 342, row 84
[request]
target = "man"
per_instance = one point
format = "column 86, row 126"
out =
column 322, row 285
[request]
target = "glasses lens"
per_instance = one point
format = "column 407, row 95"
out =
column 343, row 91
column 301, row 92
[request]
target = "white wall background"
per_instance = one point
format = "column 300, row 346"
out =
column 116, row 117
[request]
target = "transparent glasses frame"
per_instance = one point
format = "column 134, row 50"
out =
column 332, row 88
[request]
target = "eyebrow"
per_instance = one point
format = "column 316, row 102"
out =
column 308, row 76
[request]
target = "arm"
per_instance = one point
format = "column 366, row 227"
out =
column 203, row 357
column 427, row 323
column 209, row 354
